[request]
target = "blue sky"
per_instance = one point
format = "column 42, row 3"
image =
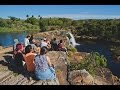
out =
column 67, row 11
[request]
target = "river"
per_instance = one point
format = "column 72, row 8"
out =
column 102, row 48
column 7, row 39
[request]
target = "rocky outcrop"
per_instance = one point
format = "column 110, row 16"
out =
column 58, row 58
column 6, row 50
column 80, row 77
column 10, row 76
column 107, row 75
column 58, row 34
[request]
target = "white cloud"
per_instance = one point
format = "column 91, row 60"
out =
column 84, row 16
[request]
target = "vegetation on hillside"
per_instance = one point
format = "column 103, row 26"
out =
column 90, row 63
column 107, row 29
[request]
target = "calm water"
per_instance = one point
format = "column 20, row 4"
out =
column 7, row 39
column 102, row 48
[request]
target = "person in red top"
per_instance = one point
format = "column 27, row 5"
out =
column 19, row 57
column 61, row 46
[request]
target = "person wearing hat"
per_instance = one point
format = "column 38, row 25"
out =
column 14, row 46
column 15, row 43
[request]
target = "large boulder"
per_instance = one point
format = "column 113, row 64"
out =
column 58, row 58
column 80, row 77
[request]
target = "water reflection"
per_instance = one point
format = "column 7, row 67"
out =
column 7, row 39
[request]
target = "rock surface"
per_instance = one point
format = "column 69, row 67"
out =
column 9, row 76
column 80, row 77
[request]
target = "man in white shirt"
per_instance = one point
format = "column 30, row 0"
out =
column 26, row 41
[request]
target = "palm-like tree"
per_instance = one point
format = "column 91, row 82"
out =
column 27, row 16
column 32, row 15
column 38, row 16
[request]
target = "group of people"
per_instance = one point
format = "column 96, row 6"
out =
column 57, row 46
column 31, row 56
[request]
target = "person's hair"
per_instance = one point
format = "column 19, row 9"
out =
column 27, row 36
column 54, row 39
column 28, row 49
column 37, row 44
column 61, row 41
column 43, row 50
column 19, row 46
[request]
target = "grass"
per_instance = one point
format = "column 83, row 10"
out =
column 8, row 30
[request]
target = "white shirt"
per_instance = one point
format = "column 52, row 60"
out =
column 26, row 42
column 43, row 44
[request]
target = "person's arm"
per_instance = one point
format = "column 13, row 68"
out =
column 28, row 42
column 23, row 57
column 49, row 62
column 51, row 66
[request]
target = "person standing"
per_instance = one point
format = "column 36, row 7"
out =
column 26, row 40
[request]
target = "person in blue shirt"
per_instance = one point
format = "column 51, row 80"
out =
column 43, row 67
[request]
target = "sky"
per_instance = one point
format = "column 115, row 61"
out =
column 68, row 11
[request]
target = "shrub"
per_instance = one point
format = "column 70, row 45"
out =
column 90, row 63
column 70, row 48
column 69, row 53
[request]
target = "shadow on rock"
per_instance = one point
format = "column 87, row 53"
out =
column 9, row 62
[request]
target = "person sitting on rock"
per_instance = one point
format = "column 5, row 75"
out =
column 14, row 47
column 61, row 46
column 37, row 49
column 48, row 43
column 19, row 57
column 29, row 59
column 54, row 44
column 43, row 67
column 43, row 43
column 33, row 45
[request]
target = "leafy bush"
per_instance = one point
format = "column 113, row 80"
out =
column 90, row 63
column 69, row 53
column 70, row 48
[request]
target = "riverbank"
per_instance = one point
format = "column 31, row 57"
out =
column 61, row 62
